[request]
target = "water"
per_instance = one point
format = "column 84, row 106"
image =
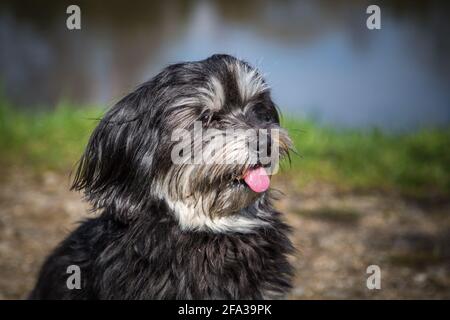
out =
column 318, row 56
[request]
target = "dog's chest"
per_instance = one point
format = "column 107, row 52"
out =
column 202, row 267
column 167, row 263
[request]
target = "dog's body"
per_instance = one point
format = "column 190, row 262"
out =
column 170, row 231
column 153, row 259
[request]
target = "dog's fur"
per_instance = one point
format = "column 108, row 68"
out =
column 168, row 231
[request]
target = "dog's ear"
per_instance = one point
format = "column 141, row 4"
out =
column 117, row 161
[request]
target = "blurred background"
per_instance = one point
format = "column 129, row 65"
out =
column 368, row 110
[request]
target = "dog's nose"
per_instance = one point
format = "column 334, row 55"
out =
column 264, row 144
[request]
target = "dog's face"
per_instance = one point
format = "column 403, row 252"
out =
column 204, row 136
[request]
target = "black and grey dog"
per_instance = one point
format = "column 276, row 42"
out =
column 183, row 230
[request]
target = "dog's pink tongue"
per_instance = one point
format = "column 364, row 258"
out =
column 257, row 179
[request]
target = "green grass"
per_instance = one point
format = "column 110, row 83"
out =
column 45, row 140
column 414, row 163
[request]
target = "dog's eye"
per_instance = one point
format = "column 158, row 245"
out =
column 208, row 118
column 263, row 114
column 205, row 117
column 267, row 118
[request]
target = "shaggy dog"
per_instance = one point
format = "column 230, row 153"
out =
column 179, row 229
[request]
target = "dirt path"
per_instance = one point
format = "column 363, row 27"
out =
column 337, row 237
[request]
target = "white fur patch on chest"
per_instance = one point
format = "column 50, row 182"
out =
column 191, row 218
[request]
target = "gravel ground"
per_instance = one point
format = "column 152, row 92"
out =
column 337, row 235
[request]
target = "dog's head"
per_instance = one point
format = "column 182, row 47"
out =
column 203, row 136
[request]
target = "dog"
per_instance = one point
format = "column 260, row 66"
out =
column 178, row 229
